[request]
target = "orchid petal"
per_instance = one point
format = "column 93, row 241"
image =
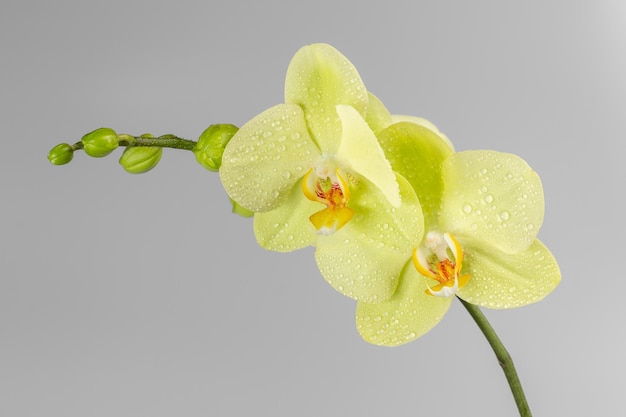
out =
column 377, row 222
column 360, row 149
column 377, row 116
column 492, row 196
column 417, row 153
column 363, row 260
column 397, row 118
column 287, row 227
column 501, row 280
column 407, row 315
column 318, row 78
column 266, row 157
column 358, row 269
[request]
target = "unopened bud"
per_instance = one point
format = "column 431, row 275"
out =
column 100, row 142
column 61, row 154
column 140, row 159
column 211, row 144
column 241, row 210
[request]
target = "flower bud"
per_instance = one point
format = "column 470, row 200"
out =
column 100, row 142
column 61, row 154
column 241, row 210
column 140, row 159
column 211, row 144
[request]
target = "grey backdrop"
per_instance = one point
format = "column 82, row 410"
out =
column 142, row 295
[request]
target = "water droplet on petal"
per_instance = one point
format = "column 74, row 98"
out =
column 488, row 199
column 467, row 208
column 504, row 215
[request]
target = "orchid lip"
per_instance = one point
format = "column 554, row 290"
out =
column 326, row 184
column 440, row 258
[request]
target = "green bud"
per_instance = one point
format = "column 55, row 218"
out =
column 140, row 159
column 100, row 142
column 61, row 154
column 241, row 210
column 211, row 144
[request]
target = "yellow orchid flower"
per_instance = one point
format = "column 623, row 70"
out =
column 482, row 211
column 314, row 174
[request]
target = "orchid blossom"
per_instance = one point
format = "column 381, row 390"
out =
column 314, row 174
column 482, row 211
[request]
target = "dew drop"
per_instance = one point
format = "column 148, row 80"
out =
column 287, row 175
column 488, row 199
column 530, row 226
column 275, row 193
column 267, row 134
column 467, row 208
column 504, row 215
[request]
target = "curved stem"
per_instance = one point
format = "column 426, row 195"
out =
column 503, row 357
column 163, row 141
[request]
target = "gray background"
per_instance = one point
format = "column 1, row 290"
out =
column 127, row 295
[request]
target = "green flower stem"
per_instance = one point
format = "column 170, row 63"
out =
column 503, row 357
column 164, row 141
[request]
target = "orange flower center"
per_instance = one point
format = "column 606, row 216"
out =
column 440, row 258
column 331, row 190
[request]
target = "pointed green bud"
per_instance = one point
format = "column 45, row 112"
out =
column 211, row 144
column 241, row 210
column 100, row 142
column 61, row 154
column 140, row 159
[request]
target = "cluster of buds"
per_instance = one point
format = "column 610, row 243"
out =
column 144, row 152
